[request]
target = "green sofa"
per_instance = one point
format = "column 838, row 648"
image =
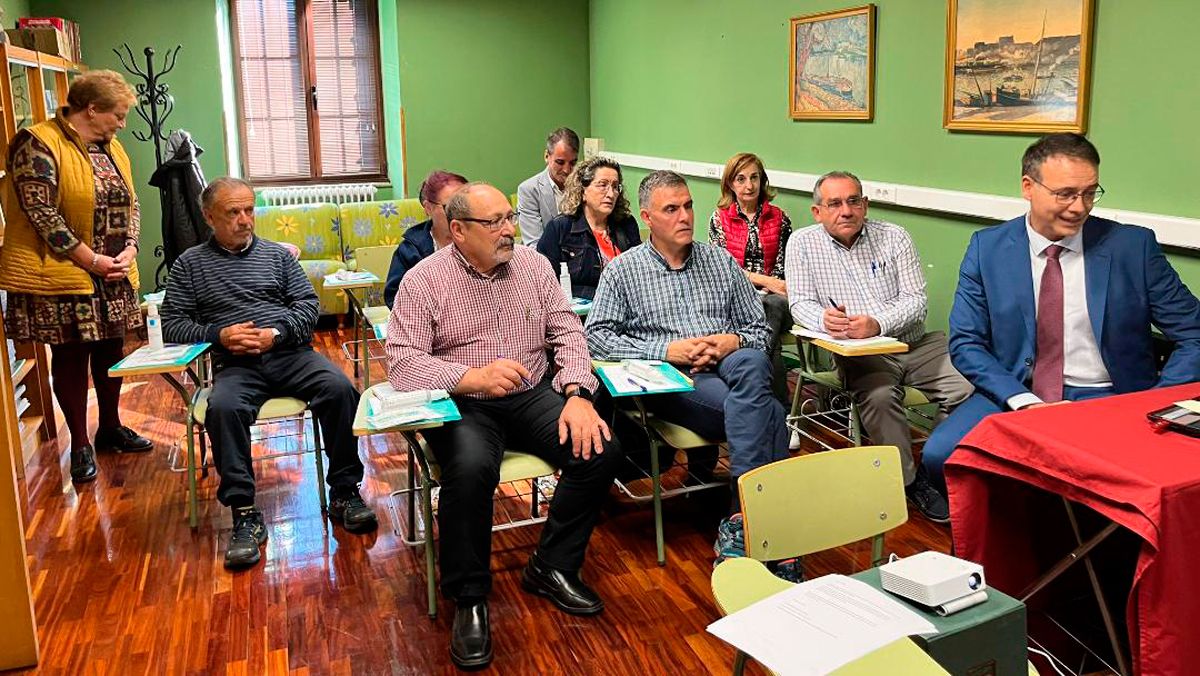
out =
column 328, row 235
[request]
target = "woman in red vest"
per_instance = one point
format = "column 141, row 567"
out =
column 755, row 232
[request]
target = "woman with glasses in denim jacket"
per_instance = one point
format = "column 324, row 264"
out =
column 595, row 225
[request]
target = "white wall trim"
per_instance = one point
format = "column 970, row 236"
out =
column 1171, row 230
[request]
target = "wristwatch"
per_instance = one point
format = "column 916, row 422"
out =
column 277, row 333
column 582, row 393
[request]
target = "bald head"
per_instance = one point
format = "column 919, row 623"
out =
column 482, row 225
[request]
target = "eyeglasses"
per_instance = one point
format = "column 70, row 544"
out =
column 496, row 223
column 852, row 202
column 1067, row 196
column 604, row 186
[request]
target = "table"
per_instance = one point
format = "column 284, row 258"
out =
column 1101, row 453
column 361, row 280
column 141, row 362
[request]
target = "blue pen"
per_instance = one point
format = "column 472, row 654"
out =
column 523, row 378
column 635, row 383
column 832, row 304
column 872, row 268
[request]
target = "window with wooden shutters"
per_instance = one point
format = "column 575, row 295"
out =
column 308, row 90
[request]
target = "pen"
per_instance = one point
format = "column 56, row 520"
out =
column 832, row 304
column 872, row 268
column 523, row 378
column 635, row 383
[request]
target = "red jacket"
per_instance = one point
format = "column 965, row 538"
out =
column 735, row 228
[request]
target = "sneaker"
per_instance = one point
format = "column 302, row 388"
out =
column 122, row 440
column 347, row 506
column 791, row 570
column 927, row 499
column 249, row 535
column 731, row 539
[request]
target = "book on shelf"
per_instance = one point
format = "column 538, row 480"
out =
column 22, row 406
column 19, row 391
column 16, row 365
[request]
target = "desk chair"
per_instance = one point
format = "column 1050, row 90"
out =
column 514, row 467
column 844, row 495
column 833, row 409
column 666, row 435
column 740, row 582
column 274, row 410
column 376, row 260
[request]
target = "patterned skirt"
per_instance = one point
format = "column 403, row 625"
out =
column 111, row 312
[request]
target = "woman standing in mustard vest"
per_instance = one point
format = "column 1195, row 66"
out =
column 68, row 256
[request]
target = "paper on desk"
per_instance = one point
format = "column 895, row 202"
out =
column 1189, row 405
column 652, row 379
column 144, row 356
column 818, row 626
column 845, row 342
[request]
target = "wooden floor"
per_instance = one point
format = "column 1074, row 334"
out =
column 123, row 586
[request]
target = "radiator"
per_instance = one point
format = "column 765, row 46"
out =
column 337, row 193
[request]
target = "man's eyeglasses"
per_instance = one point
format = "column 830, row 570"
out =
column 604, row 186
column 852, row 202
column 496, row 223
column 1067, row 196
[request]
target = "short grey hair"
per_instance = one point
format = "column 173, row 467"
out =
column 655, row 180
column 218, row 185
column 834, row 174
column 563, row 135
column 459, row 206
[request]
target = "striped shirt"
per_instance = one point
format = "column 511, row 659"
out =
column 879, row 275
column 448, row 318
column 210, row 288
column 642, row 305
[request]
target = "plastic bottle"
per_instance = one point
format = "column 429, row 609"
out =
column 154, row 327
column 564, row 280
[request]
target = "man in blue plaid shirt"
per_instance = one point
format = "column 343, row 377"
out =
column 688, row 303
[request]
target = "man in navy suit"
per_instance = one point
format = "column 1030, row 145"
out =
column 1057, row 305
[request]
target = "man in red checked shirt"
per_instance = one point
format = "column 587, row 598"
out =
column 478, row 318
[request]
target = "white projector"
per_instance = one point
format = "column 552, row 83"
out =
column 932, row 579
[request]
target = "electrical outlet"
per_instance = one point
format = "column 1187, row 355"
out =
column 712, row 171
column 673, row 165
column 882, row 193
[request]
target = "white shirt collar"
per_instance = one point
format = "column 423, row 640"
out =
column 1038, row 243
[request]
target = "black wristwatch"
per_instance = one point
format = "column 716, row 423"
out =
column 582, row 393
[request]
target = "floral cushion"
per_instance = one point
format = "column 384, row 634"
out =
column 377, row 223
column 332, row 301
column 311, row 227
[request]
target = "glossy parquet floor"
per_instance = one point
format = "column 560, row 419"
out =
column 123, row 586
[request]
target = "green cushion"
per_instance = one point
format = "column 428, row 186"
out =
column 377, row 314
column 332, row 301
column 677, row 436
column 378, row 223
column 514, row 467
column 277, row 407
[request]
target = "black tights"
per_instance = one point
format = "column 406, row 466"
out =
column 69, row 367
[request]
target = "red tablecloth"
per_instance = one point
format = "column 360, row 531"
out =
column 1104, row 454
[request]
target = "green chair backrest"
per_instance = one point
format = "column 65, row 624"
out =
column 815, row 502
column 375, row 259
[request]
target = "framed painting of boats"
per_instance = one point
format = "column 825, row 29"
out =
column 1018, row 66
column 832, row 65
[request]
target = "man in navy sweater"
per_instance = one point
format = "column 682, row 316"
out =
column 251, row 300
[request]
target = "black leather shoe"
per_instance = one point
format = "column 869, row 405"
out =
column 927, row 499
column 83, row 465
column 121, row 440
column 563, row 589
column 471, row 637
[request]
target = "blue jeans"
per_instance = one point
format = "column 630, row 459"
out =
column 733, row 403
column 945, row 436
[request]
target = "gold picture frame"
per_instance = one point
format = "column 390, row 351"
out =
column 1027, row 69
column 831, row 73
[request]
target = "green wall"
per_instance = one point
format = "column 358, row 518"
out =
column 483, row 82
column 195, row 83
column 701, row 80
column 13, row 10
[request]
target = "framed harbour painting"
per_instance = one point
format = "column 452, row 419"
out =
column 1017, row 66
column 832, row 65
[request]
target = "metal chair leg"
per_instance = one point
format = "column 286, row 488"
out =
column 656, row 479
column 533, row 497
column 202, row 434
column 739, row 663
column 193, row 502
column 319, row 454
column 430, row 564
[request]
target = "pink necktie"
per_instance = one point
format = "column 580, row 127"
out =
column 1048, row 369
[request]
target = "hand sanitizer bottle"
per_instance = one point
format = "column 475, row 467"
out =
column 154, row 327
column 564, row 280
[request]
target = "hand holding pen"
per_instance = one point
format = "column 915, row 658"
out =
column 837, row 322
column 497, row 379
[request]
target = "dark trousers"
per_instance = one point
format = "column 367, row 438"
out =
column 69, row 367
column 243, row 384
column 779, row 320
column 735, row 404
column 469, row 453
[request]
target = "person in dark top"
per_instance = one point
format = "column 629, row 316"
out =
column 425, row 237
column 251, row 300
column 595, row 225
